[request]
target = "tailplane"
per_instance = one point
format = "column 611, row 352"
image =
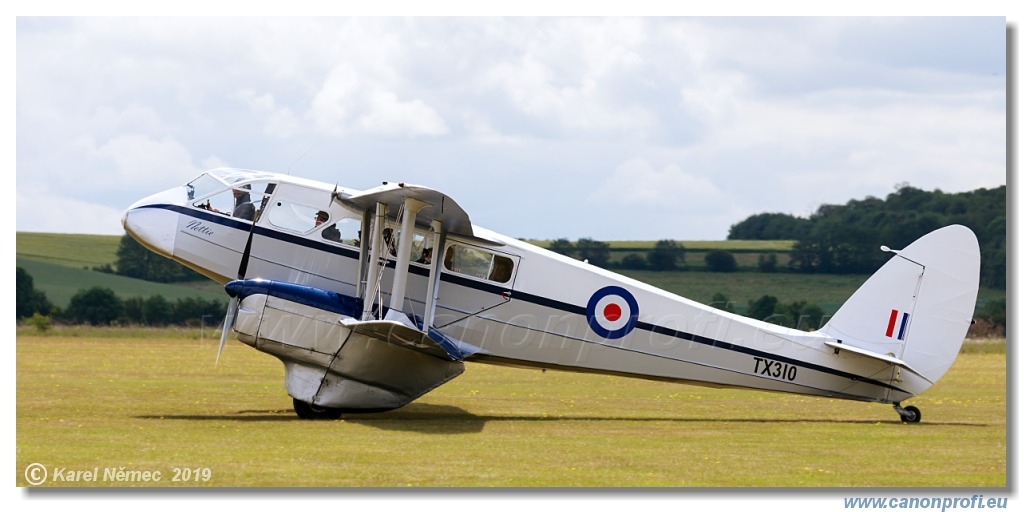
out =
column 916, row 309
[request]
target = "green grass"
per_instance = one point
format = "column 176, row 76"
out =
column 153, row 403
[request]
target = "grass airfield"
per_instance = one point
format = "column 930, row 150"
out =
column 148, row 401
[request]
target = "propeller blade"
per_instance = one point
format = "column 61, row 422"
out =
column 229, row 320
column 243, row 264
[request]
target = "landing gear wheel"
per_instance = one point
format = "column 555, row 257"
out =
column 908, row 414
column 308, row 411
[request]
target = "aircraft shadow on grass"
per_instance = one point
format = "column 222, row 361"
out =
column 428, row 418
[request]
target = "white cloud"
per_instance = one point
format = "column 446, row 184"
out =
column 134, row 159
column 636, row 183
column 569, row 73
column 109, row 121
column 776, row 114
column 349, row 101
column 389, row 116
column 49, row 213
column 335, row 102
column 279, row 121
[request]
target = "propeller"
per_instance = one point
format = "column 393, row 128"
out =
column 229, row 320
column 243, row 265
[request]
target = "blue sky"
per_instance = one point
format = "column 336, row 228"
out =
column 610, row 128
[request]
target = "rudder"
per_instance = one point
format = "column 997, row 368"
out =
column 919, row 305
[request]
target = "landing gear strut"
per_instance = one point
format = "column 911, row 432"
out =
column 308, row 411
column 908, row 414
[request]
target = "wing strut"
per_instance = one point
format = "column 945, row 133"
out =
column 411, row 208
column 377, row 260
column 413, row 205
column 434, row 278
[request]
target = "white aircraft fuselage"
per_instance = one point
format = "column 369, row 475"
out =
column 331, row 305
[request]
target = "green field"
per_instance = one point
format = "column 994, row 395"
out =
column 60, row 266
column 60, row 283
column 69, row 250
column 156, row 402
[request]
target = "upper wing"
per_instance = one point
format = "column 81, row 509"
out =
column 439, row 206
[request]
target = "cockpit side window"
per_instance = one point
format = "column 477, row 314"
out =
column 203, row 186
column 242, row 201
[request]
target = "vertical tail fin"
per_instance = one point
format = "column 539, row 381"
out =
column 918, row 306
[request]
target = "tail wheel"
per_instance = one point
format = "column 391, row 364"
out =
column 308, row 411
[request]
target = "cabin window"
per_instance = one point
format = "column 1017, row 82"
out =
column 243, row 201
column 421, row 251
column 478, row 263
column 293, row 216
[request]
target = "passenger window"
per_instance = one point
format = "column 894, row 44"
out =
column 477, row 263
column 345, row 231
column 421, row 250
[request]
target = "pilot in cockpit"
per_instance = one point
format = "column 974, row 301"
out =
column 244, row 209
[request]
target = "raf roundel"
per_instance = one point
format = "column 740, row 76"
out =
column 612, row 312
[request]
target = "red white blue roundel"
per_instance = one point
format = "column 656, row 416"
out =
column 612, row 312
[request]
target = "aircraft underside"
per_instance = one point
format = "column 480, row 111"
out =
column 335, row 363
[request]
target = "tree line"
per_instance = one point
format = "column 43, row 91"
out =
column 845, row 239
column 101, row 306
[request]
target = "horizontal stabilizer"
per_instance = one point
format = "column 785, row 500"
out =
column 874, row 355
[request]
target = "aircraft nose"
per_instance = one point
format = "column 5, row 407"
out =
column 153, row 221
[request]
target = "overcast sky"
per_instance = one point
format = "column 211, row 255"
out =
column 608, row 128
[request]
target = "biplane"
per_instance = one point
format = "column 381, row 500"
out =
column 373, row 298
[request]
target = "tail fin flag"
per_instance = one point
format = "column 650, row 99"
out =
column 919, row 305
